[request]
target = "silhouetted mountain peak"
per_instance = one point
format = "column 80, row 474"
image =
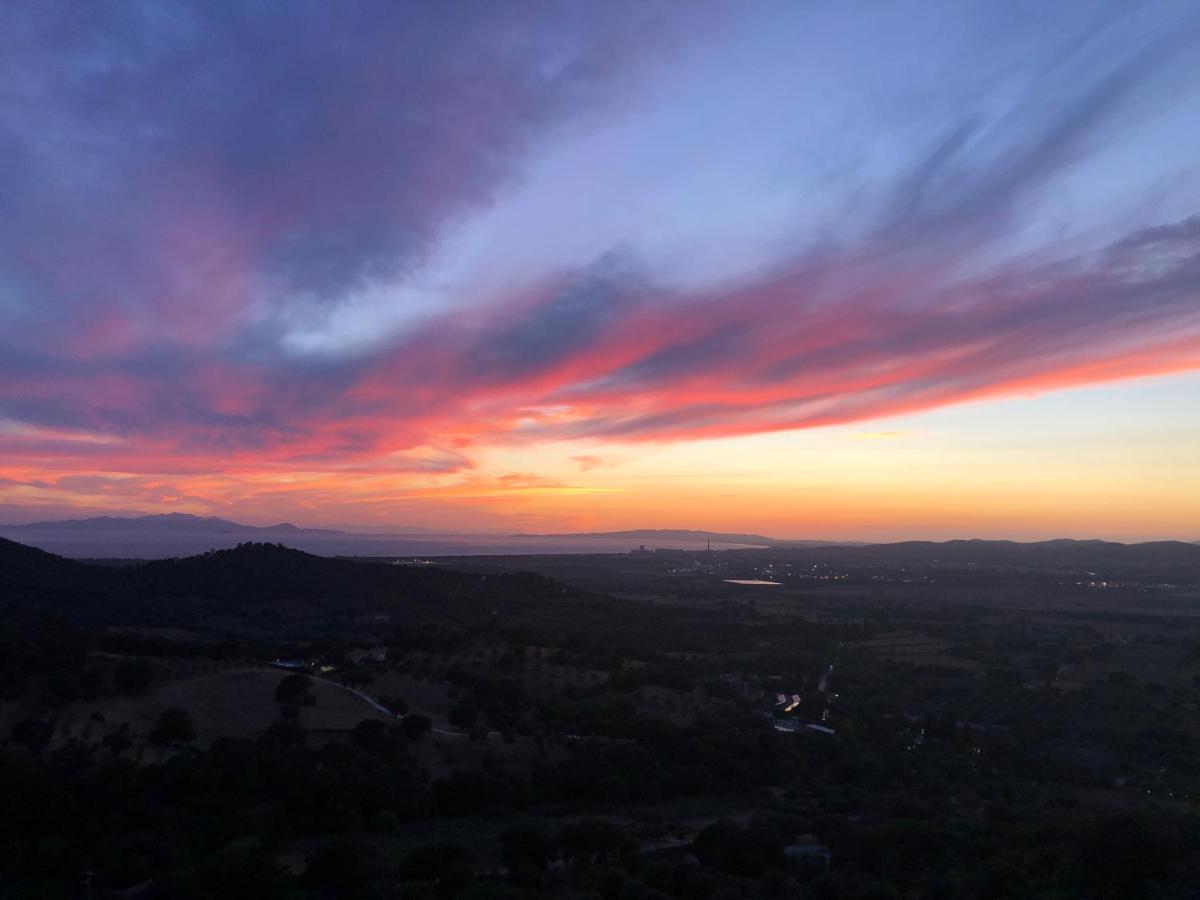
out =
column 257, row 550
column 157, row 523
column 173, row 521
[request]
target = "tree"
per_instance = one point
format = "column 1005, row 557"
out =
column 415, row 725
column 174, row 726
column 462, row 716
column 747, row 852
column 133, row 676
column 1120, row 855
column 118, row 741
column 526, row 851
column 343, row 867
column 33, row 733
column 287, row 733
column 356, row 678
column 293, row 689
column 384, row 821
column 369, row 734
column 449, row 867
column 397, row 705
column 235, row 873
column 589, row 839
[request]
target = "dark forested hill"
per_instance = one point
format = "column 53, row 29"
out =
column 34, row 576
column 276, row 587
column 252, row 581
column 1060, row 553
column 256, row 574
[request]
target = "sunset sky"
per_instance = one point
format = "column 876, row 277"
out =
column 814, row 270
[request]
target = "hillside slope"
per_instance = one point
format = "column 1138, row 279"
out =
column 265, row 584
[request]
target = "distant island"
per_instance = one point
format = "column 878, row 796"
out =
column 667, row 534
column 691, row 536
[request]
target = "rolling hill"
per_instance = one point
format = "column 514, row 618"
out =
column 265, row 584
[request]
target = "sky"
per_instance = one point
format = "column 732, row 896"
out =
column 815, row 270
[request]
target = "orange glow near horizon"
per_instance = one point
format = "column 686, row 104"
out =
column 948, row 473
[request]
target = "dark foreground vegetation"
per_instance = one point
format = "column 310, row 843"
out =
column 259, row 723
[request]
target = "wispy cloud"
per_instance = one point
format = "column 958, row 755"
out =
column 184, row 183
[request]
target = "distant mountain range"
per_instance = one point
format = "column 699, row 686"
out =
column 179, row 534
column 167, row 522
column 168, row 535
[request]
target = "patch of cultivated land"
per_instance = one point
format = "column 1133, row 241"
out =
column 428, row 697
column 1166, row 664
column 674, row 706
column 916, row 649
column 235, row 702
